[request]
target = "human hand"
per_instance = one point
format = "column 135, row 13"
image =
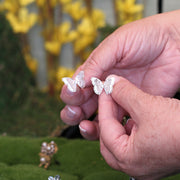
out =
column 145, row 52
column 147, row 147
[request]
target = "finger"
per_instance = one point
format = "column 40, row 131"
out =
column 108, row 156
column 112, row 133
column 90, row 106
column 89, row 129
column 130, row 98
column 102, row 59
column 75, row 98
column 129, row 125
column 73, row 115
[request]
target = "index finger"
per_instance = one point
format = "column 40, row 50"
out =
column 75, row 98
column 102, row 59
column 112, row 133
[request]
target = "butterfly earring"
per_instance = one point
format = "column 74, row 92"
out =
column 57, row 177
column 99, row 85
column 72, row 83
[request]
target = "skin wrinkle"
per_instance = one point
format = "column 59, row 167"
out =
column 83, row 96
column 171, row 75
column 86, row 104
column 173, row 30
column 91, row 63
column 130, row 47
column 103, row 148
column 123, row 90
column 119, row 52
column 149, row 36
column 144, row 76
column 121, row 142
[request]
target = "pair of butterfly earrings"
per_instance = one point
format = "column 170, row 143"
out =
column 72, row 84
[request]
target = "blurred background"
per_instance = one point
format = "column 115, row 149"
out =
column 42, row 41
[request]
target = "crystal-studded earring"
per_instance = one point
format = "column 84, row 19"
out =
column 72, row 83
column 57, row 177
column 107, row 85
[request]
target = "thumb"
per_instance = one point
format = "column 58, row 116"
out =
column 132, row 99
column 111, row 130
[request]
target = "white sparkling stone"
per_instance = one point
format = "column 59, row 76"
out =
column 44, row 144
column 48, row 148
column 42, row 159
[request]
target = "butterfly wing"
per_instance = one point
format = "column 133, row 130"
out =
column 80, row 79
column 70, row 83
column 108, row 85
column 98, row 85
column 50, row 178
column 57, row 177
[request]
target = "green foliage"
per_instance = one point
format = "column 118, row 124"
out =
column 75, row 160
column 24, row 110
column 29, row 172
column 39, row 116
column 107, row 175
column 15, row 78
column 106, row 31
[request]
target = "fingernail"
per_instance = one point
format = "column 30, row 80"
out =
column 83, row 130
column 70, row 93
column 70, row 83
column 71, row 113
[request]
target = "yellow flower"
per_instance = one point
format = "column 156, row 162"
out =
column 61, row 34
column 40, row 3
column 53, row 3
column 65, row 1
column 23, row 22
column 25, row 2
column 75, row 10
column 73, row 35
column 10, row 5
column 82, row 43
column 128, row 10
column 86, row 27
column 63, row 30
column 31, row 63
column 98, row 18
column 62, row 72
column 53, row 47
column 14, row 5
column 1, row 7
column 86, row 35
